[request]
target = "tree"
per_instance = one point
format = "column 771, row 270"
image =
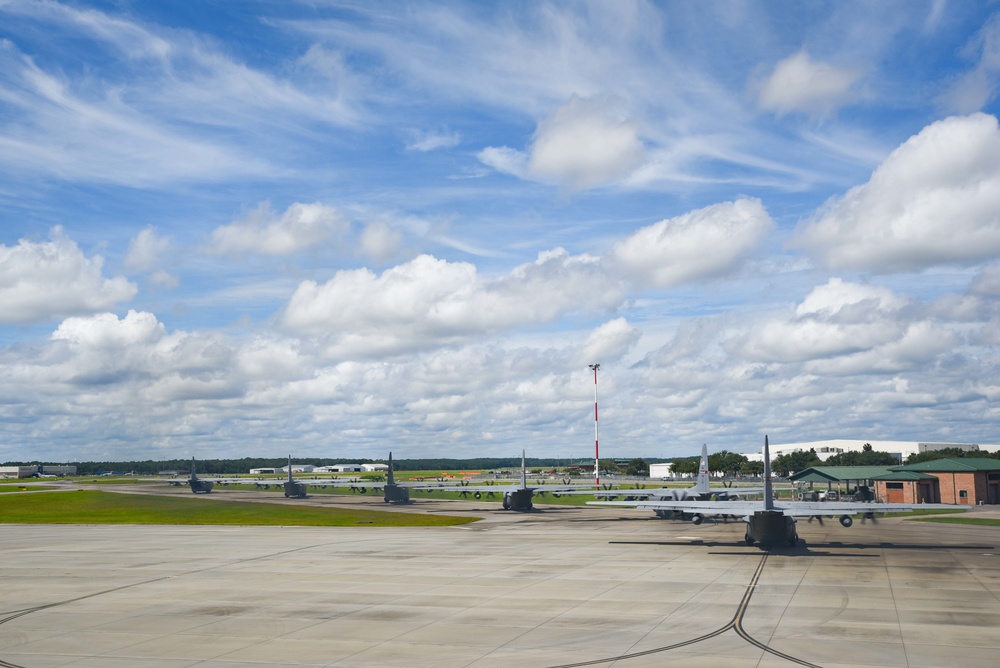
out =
column 864, row 458
column 752, row 468
column 943, row 453
column 726, row 463
column 636, row 467
column 794, row 461
column 609, row 466
column 685, row 466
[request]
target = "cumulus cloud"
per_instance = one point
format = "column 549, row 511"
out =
column 135, row 355
column 586, row 143
column 837, row 318
column 801, row 84
column 935, row 200
column 263, row 231
column 45, row 280
column 703, row 243
column 611, row 341
column 428, row 298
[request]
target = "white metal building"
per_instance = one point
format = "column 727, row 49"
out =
column 826, row 449
column 18, row 471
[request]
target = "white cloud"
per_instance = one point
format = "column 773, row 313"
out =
column 147, row 251
column 700, row 244
column 987, row 283
column 610, row 342
column 135, row 356
column 973, row 90
column 424, row 141
column 935, row 200
column 585, row 144
column 799, row 83
column 300, row 227
column 430, row 300
column 379, row 241
column 45, row 280
column 834, row 319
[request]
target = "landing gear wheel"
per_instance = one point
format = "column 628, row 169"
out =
column 748, row 539
column 793, row 541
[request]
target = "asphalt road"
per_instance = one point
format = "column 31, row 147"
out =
column 561, row 586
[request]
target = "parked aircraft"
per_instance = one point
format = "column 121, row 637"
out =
column 769, row 522
column 516, row 496
column 198, row 486
column 392, row 492
column 292, row 488
column 701, row 491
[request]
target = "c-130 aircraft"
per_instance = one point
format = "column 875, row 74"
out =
column 769, row 522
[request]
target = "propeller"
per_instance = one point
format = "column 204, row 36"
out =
column 818, row 518
column 868, row 516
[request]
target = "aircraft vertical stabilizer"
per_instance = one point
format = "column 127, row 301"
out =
column 768, row 489
column 703, row 486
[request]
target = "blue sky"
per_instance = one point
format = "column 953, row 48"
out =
column 336, row 228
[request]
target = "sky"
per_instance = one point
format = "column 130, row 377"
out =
column 335, row 229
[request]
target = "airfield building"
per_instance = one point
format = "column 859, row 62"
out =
column 826, row 449
column 18, row 471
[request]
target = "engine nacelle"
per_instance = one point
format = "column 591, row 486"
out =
column 697, row 518
column 846, row 521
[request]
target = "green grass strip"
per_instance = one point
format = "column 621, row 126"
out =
column 978, row 521
column 97, row 507
column 22, row 488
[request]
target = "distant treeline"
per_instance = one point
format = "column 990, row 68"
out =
column 236, row 466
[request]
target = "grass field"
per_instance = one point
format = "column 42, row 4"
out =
column 21, row 488
column 97, row 507
column 978, row 521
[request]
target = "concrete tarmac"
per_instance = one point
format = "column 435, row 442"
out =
column 560, row 586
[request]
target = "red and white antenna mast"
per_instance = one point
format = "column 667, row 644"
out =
column 597, row 451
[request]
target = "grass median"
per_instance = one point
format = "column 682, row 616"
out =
column 97, row 507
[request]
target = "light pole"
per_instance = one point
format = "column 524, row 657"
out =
column 597, row 452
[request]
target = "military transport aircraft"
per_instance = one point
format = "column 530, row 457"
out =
column 198, row 485
column 769, row 522
column 701, row 491
column 516, row 496
column 392, row 492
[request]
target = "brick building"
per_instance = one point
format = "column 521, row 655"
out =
column 966, row 481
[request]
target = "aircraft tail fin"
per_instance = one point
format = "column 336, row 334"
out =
column 391, row 479
column 524, row 472
column 703, row 485
column 289, row 468
column 768, row 490
column 194, row 476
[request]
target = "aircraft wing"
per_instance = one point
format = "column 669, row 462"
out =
column 790, row 508
column 812, row 508
column 702, row 507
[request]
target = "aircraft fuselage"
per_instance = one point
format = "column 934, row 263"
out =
column 770, row 528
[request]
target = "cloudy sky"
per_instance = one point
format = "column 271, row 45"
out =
column 339, row 228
